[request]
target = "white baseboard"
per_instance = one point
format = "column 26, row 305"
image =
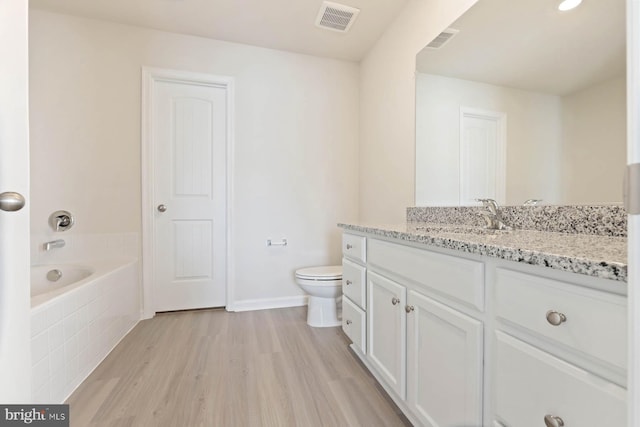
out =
column 267, row 303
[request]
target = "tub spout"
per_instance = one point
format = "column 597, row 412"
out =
column 54, row 244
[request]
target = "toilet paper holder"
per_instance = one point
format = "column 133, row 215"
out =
column 282, row 242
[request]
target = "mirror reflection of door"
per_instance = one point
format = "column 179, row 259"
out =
column 482, row 155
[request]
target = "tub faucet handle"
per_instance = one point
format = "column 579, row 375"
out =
column 61, row 220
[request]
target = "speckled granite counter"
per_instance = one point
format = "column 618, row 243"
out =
column 592, row 255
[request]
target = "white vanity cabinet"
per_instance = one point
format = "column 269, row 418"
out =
column 428, row 353
column 354, row 322
column 466, row 340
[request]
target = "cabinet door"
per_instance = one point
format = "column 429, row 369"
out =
column 444, row 364
column 386, row 321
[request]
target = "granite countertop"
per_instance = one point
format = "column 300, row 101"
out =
column 593, row 255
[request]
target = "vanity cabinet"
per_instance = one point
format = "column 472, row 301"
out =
column 354, row 273
column 429, row 353
column 469, row 340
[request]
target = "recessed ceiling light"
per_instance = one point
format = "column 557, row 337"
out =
column 568, row 5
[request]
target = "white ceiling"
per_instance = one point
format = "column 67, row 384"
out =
column 529, row 44
column 277, row 24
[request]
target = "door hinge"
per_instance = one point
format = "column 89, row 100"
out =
column 631, row 191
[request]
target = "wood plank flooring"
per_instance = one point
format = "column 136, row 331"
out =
column 214, row 368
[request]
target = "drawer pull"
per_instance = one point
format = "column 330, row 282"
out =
column 408, row 308
column 395, row 300
column 349, row 322
column 553, row 421
column 555, row 318
column 349, row 246
column 349, row 282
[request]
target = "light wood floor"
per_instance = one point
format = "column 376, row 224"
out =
column 213, row 368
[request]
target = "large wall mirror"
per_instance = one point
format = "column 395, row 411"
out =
column 524, row 102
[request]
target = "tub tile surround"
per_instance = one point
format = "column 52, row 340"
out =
column 72, row 332
column 593, row 241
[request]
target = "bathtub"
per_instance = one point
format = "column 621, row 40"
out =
column 68, row 275
column 77, row 320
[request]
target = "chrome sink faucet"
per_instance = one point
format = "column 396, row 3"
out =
column 59, row 243
column 493, row 215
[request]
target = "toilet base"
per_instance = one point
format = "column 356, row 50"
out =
column 322, row 312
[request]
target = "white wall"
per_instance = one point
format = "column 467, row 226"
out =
column 534, row 134
column 387, row 108
column 595, row 143
column 296, row 140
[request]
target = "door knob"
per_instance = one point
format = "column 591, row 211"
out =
column 553, row 421
column 10, row 201
column 162, row 208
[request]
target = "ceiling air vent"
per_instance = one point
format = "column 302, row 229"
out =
column 336, row 17
column 443, row 38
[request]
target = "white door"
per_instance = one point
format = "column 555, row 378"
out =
column 15, row 359
column 444, row 364
column 189, row 134
column 386, row 323
column 482, row 162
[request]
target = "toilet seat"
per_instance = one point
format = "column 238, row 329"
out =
column 325, row 273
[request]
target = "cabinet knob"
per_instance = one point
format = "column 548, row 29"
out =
column 349, row 246
column 395, row 301
column 349, row 282
column 349, row 322
column 162, row 208
column 553, row 421
column 408, row 308
column 555, row 318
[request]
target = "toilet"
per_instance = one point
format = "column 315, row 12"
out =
column 324, row 286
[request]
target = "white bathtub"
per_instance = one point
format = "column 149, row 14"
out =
column 69, row 275
column 77, row 320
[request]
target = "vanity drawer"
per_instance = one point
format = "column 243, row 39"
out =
column 594, row 322
column 458, row 278
column 354, row 278
column 354, row 247
column 531, row 384
column 354, row 323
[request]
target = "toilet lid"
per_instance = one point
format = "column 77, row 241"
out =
column 332, row 272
